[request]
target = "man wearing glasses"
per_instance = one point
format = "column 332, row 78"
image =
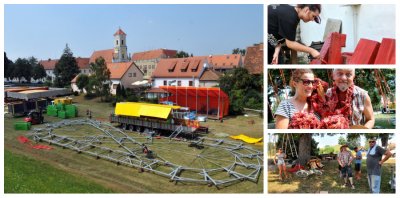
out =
column 282, row 25
column 374, row 164
column 353, row 100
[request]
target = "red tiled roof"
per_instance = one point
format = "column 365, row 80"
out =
column 254, row 59
column 83, row 63
column 49, row 64
column 172, row 67
column 106, row 54
column 119, row 69
column 228, row 61
column 210, row 75
column 153, row 54
column 119, row 32
column 156, row 90
column 74, row 79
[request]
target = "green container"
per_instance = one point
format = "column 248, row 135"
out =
column 70, row 113
column 62, row 114
column 70, row 107
column 21, row 125
column 60, row 107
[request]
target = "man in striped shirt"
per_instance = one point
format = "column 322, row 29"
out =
column 361, row 106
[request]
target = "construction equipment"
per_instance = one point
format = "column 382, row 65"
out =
column 35, row 117
column 64, row 101
column 172, row 120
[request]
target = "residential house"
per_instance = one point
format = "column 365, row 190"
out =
column 223, row 63
column 147, row 61
column 124, row 73
column 254, row 59
column 209, row 78
column 49, row 65
column 180, row 71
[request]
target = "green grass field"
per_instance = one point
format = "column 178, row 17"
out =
column 27, row 175
column 105, row 176
column 384, row 121
column 329, row 182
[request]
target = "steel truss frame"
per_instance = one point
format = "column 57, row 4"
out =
column 129, row 151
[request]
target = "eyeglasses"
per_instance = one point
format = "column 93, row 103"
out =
column 317, row 19
column 371, row 141
column 307, row 82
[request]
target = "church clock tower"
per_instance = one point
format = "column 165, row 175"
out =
column 120, row 48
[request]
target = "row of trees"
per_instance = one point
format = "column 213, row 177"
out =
column 23, row 68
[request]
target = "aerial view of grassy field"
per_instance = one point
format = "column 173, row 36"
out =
column 61, row 170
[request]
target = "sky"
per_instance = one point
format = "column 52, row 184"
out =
column 43, row 31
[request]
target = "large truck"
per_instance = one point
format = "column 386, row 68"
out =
column 163, row 119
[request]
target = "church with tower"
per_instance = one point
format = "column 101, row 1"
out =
column 120, row 48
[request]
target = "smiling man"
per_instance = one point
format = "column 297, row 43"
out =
column 354, row 101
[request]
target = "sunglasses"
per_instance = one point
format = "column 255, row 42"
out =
column 371, row 141
column 308, row 82
column 317, row 19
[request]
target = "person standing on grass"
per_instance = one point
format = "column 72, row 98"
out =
column 344, row 159
column 279, row 160
column 357, row 165
column 374, row 164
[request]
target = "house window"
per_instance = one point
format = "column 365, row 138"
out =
column 122, row 42
column 190, row 83
column 134, row 74
column 165, row 83
column 117, row 42
column 130, row 74
column 179, row 83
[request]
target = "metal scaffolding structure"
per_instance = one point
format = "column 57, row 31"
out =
column 210, row 161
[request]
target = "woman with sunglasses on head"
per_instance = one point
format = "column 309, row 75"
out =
column 302, row 82
column 282, row 24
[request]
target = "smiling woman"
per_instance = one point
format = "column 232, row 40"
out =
column 302, row 81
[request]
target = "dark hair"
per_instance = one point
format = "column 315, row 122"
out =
column 312, row 7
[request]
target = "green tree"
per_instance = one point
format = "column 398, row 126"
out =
column 327, row 150
column 8, row 67
column 82, row 81
column 182, row 54
column 342, row 141
column 22, row 69
column 239, row 51
column 66, row 68
column 101, row 78
column 244, row 90
column 38, row 71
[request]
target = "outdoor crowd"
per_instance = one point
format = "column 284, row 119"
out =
column 345, row 158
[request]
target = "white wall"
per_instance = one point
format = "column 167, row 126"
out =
column 185, row 81
column 368, row 21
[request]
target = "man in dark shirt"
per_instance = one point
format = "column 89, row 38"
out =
column 282, row 24
column 374, row 164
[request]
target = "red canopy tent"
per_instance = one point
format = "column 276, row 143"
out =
column 210, row 101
